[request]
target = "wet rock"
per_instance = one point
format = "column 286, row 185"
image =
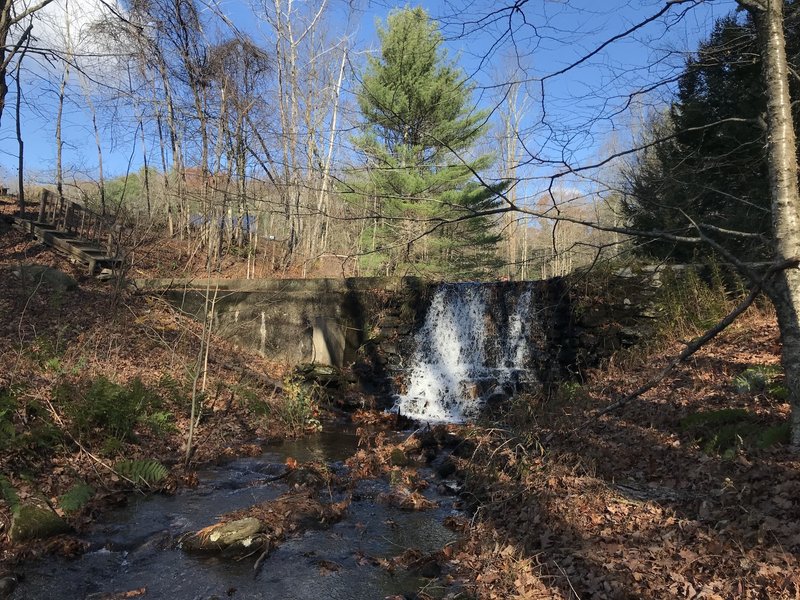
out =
column 352, row 401
column 34, row 275
column 325, row 375
column 36, row 520
column 497, row 397
column 464, row 449
column 159, row 541
column 472, row 390
column 419, row 563
column 428, row 569
column 240, row 534
column 444, row 466
column 307, row 476
column 105, row 275
column 449, row 488
column 479, row 388
column 8, row 584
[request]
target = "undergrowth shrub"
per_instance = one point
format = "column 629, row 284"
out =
column 25, row 425
column 297, row 408
column 160, row 422
column 571, row 391
column 8, row 405
column 688, row 304
column 684, row 306
column 107, row 412
column 143, row 472
column 725, row 431
column 246, row 396
column 76, row 497
column 8, row 493
column 107, row 407
column 762, row 379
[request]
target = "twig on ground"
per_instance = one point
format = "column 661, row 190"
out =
column 60, row 422
column 690, row 349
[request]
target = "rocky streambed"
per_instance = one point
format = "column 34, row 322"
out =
column 314, row 518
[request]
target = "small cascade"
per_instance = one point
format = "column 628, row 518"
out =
column 475, row 344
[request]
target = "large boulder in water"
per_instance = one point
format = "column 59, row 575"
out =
column 327, row 376
column 234, row 536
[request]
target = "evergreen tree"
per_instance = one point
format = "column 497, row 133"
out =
column 419, row 127
column 714, row 174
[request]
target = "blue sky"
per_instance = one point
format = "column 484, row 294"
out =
column 580, row 107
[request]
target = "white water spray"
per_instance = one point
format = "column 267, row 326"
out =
column 465, row 353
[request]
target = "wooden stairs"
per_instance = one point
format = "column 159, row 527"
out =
column 67, row 237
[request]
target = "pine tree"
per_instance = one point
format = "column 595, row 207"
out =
column 714, row 168
column 419, row 178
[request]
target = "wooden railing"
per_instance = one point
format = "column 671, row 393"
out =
column 74, row 217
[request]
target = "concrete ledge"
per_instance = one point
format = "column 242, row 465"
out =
column 283, row 286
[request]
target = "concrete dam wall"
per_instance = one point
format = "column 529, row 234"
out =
column 293, row 320
column 443, row 349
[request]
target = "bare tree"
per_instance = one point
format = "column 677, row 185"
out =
column 309, row 71
column 784, row 288
column 12, row 14
column 781, row 277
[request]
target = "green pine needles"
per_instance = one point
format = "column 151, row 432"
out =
column 418, row 184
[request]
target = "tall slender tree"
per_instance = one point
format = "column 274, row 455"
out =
column 419, row 127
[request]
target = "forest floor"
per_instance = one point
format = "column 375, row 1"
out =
column 56, row 345
column 687, row 492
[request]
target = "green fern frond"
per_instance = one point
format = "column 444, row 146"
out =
column 145, row 472
column 76, row 497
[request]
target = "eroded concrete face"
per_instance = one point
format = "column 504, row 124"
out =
column 328, row 342
column 294, row 321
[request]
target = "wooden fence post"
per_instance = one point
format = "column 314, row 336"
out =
column 68, row 216
column 44, row 197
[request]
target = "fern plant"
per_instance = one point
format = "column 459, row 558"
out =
column 76, row 497
column 143, row 472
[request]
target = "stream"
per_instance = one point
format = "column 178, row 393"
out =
column 134, row 547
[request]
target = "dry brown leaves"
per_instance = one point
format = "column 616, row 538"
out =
column 291, row 512
column 97, row 330
column 628, row 506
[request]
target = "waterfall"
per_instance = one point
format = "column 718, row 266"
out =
column 473, row 345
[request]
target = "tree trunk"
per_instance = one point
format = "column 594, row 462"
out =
column 101, row 182
column 784, row 290
column 59, row 141
column 165, row 177
column 21, row 146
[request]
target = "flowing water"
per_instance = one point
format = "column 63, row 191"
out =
column 134, row 547
column 475, row 344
